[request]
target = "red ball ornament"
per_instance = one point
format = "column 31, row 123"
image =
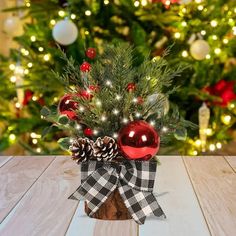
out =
column 138, row 140
column 88, row 132
column 91, row 53
column 67, row 106
column 85, row 67
column 131, row 87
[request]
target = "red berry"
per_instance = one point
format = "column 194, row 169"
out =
column 88, row 132
column 85, row 67
column 91, row 53
column 140, row 100
column 131, row 87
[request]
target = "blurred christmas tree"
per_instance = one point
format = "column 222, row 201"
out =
column 203, row 33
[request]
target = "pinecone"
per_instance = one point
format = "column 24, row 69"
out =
column 82, row 149
column 105, row 149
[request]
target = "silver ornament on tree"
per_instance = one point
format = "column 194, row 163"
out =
column 199, row 49
column 65, row 32
column 163, row 101
column 203, row 119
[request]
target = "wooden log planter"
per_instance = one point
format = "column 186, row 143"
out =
column 112, row 209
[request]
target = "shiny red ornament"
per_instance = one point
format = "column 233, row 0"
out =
column 85, row 67
column 27, row 97
column 88, row 132
column 67, row 106
column 88, row 94
column 91, row 53
column 131, row 87
column 138, row 141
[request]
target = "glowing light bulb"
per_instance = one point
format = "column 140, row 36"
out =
column 115, row 135
column 125, row 120
column 34, row 141
column 225, row 41
column 26, row 71
column 78, row 127
column 28, row 4
column 217, row 51
column 86, row 32
column 34, row 98
column 52, row 22
column 30, row 64
column 198, row 142
column 95, row 132
column 203, row 32
column 13, row 79
column 17, row 105
column 164, row 129
column 152, row 123
column 81, row 108
column 98, row 103
column 33, row 135
column 115, row 112
column 218, row 145
column 226, row 119
column 72, row 16
column 137, row 114
column 184, row 10
column 108, row 83
column 200, row 7
column 88, row 13
column 212, row 147
column 38, row 150
column 214, row 37
column 209, row 131
column 46, row 57
column 106, row 2
column 41, row 49
column 177, row 35
column 33, row 38
column 214, row 23
column 12, row 67
column 118, row 97
column 198, row 1
column 208, row 56
column 103, row 118
column 184, row 53
column 184, row 23
column 12, row 137
column 144, row 2
column 61, row 13
column 136, row 3
column 195, row 152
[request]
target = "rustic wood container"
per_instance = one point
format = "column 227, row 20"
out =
column 112, row 209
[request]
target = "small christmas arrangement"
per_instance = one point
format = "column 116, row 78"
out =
column 115, row 114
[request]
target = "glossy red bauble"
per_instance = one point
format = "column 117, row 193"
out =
column 88, row 94
column 85, row 67
column 67, row 106
column 138, row 140
column 91, row 53
column 131, row 87
column 88, row 132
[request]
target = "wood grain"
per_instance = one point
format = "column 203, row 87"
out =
column 82, row 225
column 178, row 201
column 46, row 209
column 16, row 177
column 4, row 159
column 215, row 184
column 232, row 161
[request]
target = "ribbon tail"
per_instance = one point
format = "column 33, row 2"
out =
column 140, row 204
column 76, row 195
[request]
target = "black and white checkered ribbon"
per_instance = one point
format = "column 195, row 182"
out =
column 133, row 179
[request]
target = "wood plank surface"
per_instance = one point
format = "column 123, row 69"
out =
column 232, row 161
column 178, row 201
column 45, row 209
column 82, row 225
column 215, row 184
column 4, row 160
column 16, row 177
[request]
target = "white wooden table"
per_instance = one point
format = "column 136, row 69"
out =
column 198, row 195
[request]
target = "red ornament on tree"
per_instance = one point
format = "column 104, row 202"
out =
column 85, row 67
column 224, row 90
column 88, row 94
column 67, row 106
column 88, row 132
column 28, row 96
column 131, row 87
column 138, row 140
column 91, row 53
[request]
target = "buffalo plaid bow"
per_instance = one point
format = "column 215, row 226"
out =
column 134, row 180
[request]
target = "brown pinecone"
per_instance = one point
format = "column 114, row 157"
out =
column 82, row 149
column 105, row 149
